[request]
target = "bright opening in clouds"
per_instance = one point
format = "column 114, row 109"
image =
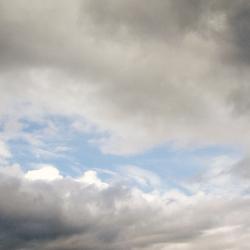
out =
column 124, row 125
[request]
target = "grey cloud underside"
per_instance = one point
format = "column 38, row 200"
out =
column 175, row 64
column 34, row 34
column 172, row 20
column 67, row 215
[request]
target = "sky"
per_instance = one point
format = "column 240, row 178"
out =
column 124, row 125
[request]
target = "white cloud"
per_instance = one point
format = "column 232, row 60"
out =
column 44, row 173
column 90, row 178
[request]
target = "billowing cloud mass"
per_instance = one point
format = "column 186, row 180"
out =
column 126, row 76
column 68, row 214
column 128, row 66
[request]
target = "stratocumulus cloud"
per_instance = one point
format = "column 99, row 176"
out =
column 179, row 64
column 67, row 214
column 124, row 124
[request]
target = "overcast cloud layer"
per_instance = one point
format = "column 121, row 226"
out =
column 177, row 67
column 132, row 75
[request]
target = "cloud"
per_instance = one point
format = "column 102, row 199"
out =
column 158, row 20
column 131, row 75
column 224, row 22
column 67, row 214
column 90, row 178
column 142, row 74
column 141, row 176
column 14, row 170
column 224, row 175
column 45, row 173
column 4, row 151
column 240, row 169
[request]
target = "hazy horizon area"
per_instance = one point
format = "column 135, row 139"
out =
column 124, row 124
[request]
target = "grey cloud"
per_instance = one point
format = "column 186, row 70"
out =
column 66, row 215
column 223, row 22
column 178, row 65
column 151, row 20
column 241, row 169
column 239, row 19
column 147, row 73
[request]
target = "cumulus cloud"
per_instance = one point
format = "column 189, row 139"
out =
column 90, row 178
column 44, row 172
column 67, row 214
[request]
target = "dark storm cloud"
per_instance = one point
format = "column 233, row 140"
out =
column 238, row 22
column 34, row 34
column 173, row 20
column 66, row 214
column 29, row 213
